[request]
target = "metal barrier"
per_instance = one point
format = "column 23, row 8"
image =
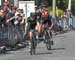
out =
column 15, row 34
column 3, row 36
column 11, row 35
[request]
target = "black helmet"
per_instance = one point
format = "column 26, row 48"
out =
column 32, row 14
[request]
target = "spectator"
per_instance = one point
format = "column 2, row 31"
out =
column 12, row 14
column 1, row 18
column 19, row 19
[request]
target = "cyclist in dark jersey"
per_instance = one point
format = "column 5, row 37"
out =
column 32, row 21
column 46, row 20
column 32, row 25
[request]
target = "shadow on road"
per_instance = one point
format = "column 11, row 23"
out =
column 7, row 53
column 45, row 53
column 58, row 49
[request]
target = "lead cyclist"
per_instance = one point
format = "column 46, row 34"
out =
column 32, row 25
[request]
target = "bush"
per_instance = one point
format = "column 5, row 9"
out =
column 58, row 11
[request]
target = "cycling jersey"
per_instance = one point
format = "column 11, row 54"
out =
column 46, row 20
column 32, row 23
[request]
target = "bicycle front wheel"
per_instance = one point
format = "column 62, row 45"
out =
column 47, row 38
column 33, row 45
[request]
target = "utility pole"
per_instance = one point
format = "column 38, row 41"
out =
column 69, row 5
column 0, row 2
column 54, row 8
column 69, row 13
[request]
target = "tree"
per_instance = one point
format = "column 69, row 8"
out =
column 62, row 4
column 73, row 7
column 37, row 2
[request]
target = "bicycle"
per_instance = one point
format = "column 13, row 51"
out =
column 33, row 43
column 47, row 39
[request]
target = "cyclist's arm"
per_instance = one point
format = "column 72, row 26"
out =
column 52, row 24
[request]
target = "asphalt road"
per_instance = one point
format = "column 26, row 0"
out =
column 63, row 49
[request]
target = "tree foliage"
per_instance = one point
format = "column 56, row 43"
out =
column 61, row 4
column 73, row 7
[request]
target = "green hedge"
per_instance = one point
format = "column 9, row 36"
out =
column 58, row 11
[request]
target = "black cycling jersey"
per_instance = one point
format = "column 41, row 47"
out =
column 46, row 20
column 32, row 23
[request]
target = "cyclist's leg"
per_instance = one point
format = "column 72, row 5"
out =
column 30, row 36
column 38, row 27
column 50, row 30
column 51, row 34
column 51, row 38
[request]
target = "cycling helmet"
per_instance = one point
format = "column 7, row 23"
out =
column 45, row 14
column 32, row 14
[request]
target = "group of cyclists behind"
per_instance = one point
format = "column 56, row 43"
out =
column 37, row 21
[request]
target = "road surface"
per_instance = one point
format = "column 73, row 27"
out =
column 63, row 49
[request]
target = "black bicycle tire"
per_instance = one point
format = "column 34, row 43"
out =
column 32, row 52
column 48, row 44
